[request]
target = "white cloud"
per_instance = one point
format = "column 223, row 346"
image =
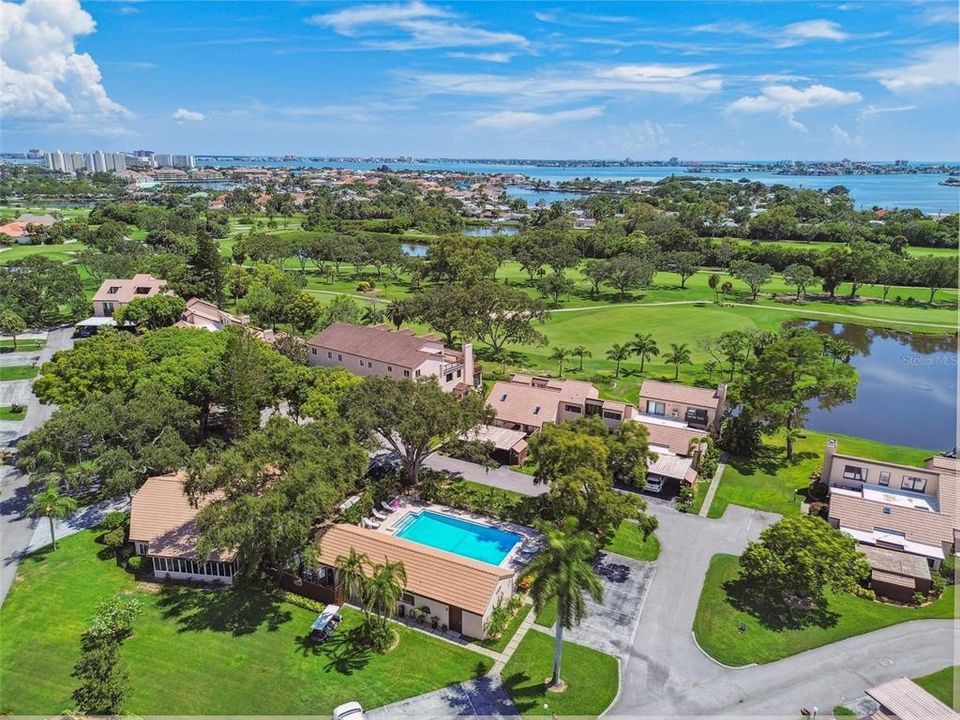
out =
column 41, row 74
column 785, row 101
column 494, row 57
column 550, row 87
column 842, row 137
column 183, row 115
column 800, row 32
column 878, row 110
column 931, row 67
column 515, row 120
column 420, row 27
column 848, row 7
column 941, row 14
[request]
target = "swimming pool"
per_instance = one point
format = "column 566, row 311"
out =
column 462, row 537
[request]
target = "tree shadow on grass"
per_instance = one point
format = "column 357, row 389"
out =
column 768, row 461
column 775, row 613
column 526, row 692
column 344, row 651
column 238, row 612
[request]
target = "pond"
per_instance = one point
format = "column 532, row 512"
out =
column 491, row 231
column 907, row 393
column 540, row 196
column 414, row 249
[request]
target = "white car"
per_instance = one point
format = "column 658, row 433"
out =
column 348, row 711
column 654, row 484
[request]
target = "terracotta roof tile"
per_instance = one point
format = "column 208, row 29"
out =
column 402, row 348
column 674, row 392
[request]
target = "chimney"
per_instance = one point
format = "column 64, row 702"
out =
column 828, row 460
column 468, row 363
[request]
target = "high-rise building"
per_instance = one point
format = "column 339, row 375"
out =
column 98, row 161
column 186, row 162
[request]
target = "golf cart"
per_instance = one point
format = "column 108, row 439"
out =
column 325, row 624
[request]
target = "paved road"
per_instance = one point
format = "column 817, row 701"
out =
column 16, row 529
column 665, row 673
column 501, row 477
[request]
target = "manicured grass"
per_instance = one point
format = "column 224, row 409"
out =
column 770, row 482
column 199, row 652
column 942, row 685
column 18, row 372
column 699, row 495
column 6, row 413
column 591, row 677
column 628, row 541
column 718, row 620
column 548, row 614
column 6, row 345
column 501, row 642
column 841, row 711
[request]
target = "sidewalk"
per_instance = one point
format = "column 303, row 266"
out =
column 712, row 490
column 83, row 519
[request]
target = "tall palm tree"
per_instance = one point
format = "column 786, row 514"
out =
column 559, row 355
column 373, row 315
column 564, row 570
column 398, row 312
column 679, row 355
column 581, row 352
column 645, row 346
column 714, row 282
column 618, row 353
column 352, row 570
column 384, row 589
column 49, row 503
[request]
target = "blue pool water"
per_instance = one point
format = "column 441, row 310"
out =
column 470, row 539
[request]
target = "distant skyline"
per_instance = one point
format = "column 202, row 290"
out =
column 738, row 80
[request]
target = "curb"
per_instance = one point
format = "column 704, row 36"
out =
column 714, row 660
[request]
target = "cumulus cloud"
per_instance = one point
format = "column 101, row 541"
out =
column 182, row 115
column 548, row 88
column 412, row 26
column 516, row 120
column 931, row 67
column 785, row 100
column 42, row 76
column 800, row 32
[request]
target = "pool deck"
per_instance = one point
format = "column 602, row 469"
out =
column 516, row 559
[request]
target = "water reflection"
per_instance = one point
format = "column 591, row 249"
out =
column 907, row 393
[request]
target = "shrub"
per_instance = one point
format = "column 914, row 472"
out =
column 819, row 509
column 685, row 498
column 948, row 569
column 365, row 286
column 937, row 585
column 864, row 593
column 499, row 619
column 136, row 563
column 303, row 602
column 524, row 583
column 116, row 538
column 114, row 520
column 17, row 408
column 919, row 598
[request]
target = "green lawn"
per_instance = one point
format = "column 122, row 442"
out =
column 200, row 651
column 501, row 642
column 592, row 678
column 6, row 413
column 943, row 685
column 770, row 482
column 628, row 541
column 699, row 495
column 782, row 633
column 18, row 372
column 548, row 614
column 6, row 345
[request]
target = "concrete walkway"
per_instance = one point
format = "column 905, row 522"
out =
column 84, row 519
column 712, row 490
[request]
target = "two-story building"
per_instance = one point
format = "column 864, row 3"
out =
column 695, row 407
column 116, row 293
column 908, row 512
column 397, row 354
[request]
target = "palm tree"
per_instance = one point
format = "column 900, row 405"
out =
column 559, row 355
column 384, row 589
column 726, row 288
column 373, row 315
column 618, row 353
column 49, row 503
column 644, row 346
column 713, row 281
column 352, row 569
column 581, row 352
column 564, row 570
column 679, row 355
column 398, row 312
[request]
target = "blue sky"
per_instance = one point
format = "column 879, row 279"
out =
column 699, row 80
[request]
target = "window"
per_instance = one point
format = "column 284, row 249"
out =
column 572, row 408
column 406, row 373
column 610, row 415
column 449, row 376
column 114, row 289
column 313, row 351
column 407, row 599
column 884, row 478
column 536, row 410
column 141, row 548
column 854, row 472
column 142, row 291
column 389, row 368
column 339, row 357
column 459, row 373
column 887, row 511
column 416, row 374
column 913, row 483
column 503, row 398
column 656, row 408
column 696, row 416
column 329, row 355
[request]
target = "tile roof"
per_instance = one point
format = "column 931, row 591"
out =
column 502, row 438
column 30, row 218
column 675, row 439
column 438, row 575
column 674, row 392
column 908, row 701
column 162, row 516
column 202, row 313
column 123, row 290
column 396, row 347
column 522, row 402
column 898, row 563
column 14, row 229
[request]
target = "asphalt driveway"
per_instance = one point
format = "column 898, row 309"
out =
column 609, row 626
column 484, row 697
